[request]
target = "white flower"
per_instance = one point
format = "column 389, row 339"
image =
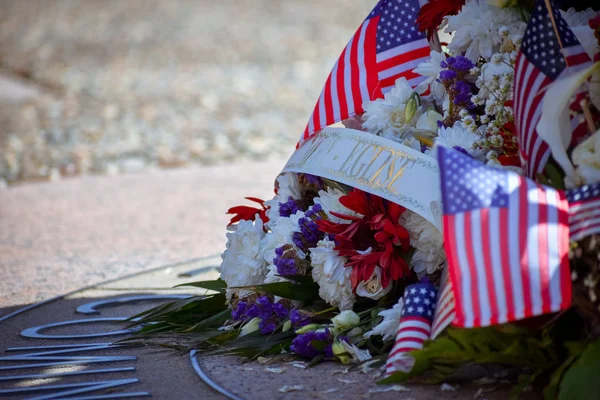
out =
column 586, row 37
column 243, row 264
column 346, row 319
column 341, row 348
column 586, row 156
column 251, row 326
column 388, row 328
column 412, row 142
column 498, row 69
column 578, row 22
column 431, row 69
column 428, row 243
column 330, row 272
column 372, row 288
column 330, row 201
column 477, row 29
column 428, row 121
column 459, row 136
column 281, row 234
column 578, row 18
column 288, row 187
column 394, row 116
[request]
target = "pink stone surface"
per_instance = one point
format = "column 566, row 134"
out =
column 60, row 236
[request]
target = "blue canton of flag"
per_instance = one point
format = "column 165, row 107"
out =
column 415, row 326
column 506, row 240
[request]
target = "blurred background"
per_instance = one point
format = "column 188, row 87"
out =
column 113, row 86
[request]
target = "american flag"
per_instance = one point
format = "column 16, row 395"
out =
column 506, row 240
column 584, row 211
column 444, row 309
column 387, row 46
column 543, row 58
column 415, row 326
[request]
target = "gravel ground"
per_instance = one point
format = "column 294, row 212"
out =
column 133, row 85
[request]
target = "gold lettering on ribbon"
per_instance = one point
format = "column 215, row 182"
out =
column 314, row 146
column 394, row 171
column 370, row 163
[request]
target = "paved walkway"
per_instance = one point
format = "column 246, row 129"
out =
column 58, row 237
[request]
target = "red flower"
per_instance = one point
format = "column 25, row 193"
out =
column 433, row 13
column 247, row 213
column 378, row 229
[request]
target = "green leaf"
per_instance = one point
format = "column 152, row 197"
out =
column 555, row 177
column 551, row 390
column 581, row 381
column 218, row 285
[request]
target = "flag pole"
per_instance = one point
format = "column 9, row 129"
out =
column 551, row 14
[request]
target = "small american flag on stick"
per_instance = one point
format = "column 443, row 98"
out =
column 385, row 47
column 506, row 240
column 584, row 211
column 549, row 50
column 415, row 326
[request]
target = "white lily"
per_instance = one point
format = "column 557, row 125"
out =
column 554, row 126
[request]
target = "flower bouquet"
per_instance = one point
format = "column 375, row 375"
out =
column 454, row 220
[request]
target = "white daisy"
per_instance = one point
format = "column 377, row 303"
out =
column 476, row 29
column 243, row 264
column 459, row 136
column 388, row 328
column 431, row 69
column 388, row 117
column 427, row 240
column 330, row 272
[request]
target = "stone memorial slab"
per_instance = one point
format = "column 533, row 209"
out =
column 71, row 347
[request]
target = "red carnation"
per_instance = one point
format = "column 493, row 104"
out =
column 379, row 230
column 246, row 213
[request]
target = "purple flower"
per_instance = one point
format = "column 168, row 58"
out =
column 447, row 74
column 309, row 233
column 253, row 312
column 270, row 314
column 463, row 93
column 288, row 208
column 285, row 263
column 240, row 311
column 314, row 180
column 280, row 310
column 460, row 149
column 311, row 344
column 462, row 63
column 298, row 319
column 267, row 326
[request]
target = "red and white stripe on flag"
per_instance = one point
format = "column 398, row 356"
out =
column 506, row 240
column 350, row 83
column 387, row 46
column 444, row 308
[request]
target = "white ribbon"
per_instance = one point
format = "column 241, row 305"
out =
column 375, row 165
